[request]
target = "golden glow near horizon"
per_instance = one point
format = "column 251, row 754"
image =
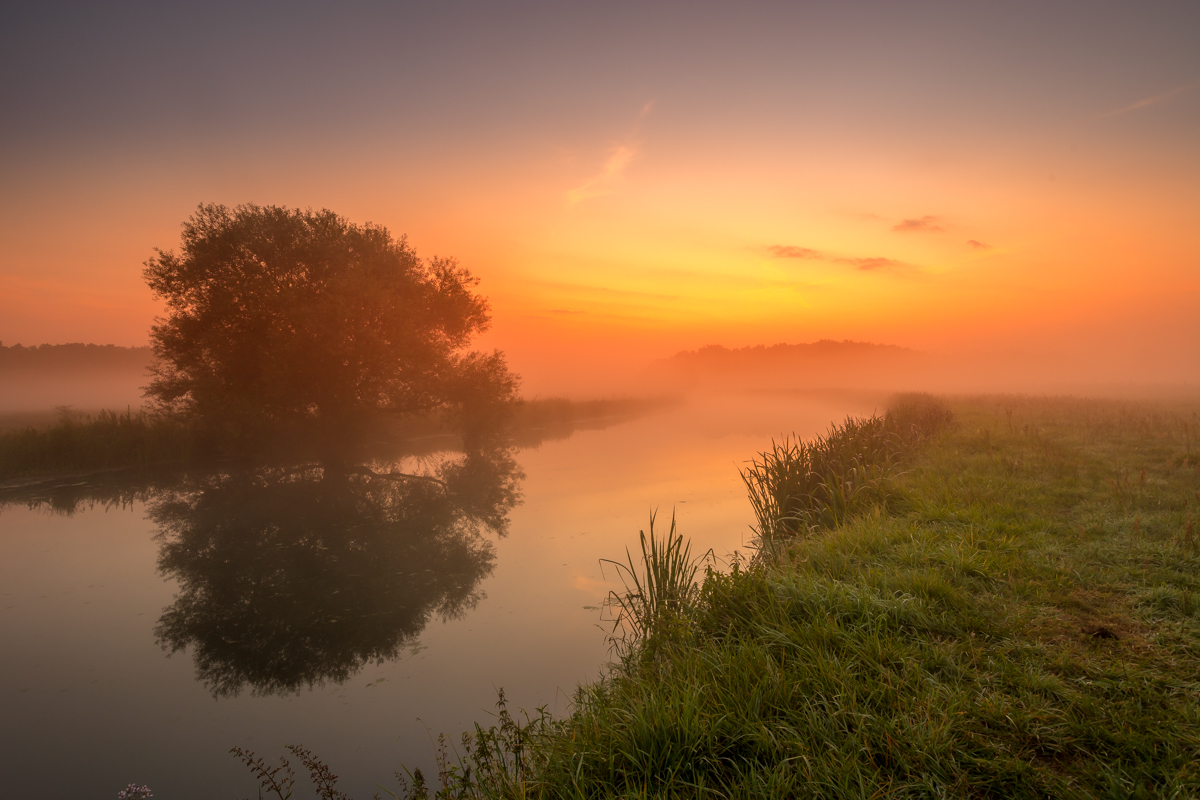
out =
column 886, row 178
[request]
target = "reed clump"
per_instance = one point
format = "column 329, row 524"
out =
column 89, row 443
column 660, row 593
column 799, row 487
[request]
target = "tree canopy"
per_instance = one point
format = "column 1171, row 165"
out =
column 278, row 314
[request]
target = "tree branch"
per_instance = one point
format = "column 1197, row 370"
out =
column 396, row 476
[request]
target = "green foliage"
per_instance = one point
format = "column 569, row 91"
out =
column 281, row 316
column 501, row 760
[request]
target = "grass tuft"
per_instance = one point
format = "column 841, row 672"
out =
column 659, row 594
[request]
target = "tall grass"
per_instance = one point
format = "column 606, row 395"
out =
column 83, row 443
column 659, row 592
column 799, row 487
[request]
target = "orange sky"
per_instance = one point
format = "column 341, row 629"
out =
column 631, row 183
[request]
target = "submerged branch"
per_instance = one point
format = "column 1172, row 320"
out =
column 396, row 476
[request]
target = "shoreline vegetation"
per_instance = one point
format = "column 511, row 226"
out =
column 39, row 447
column 983, row 597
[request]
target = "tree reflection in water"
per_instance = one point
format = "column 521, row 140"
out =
column 293, row 577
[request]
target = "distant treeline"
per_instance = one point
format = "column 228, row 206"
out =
column 73, row 357
column 716, row 355
column 822, row 364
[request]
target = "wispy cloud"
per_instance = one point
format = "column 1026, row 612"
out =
column 620, row 155
column 1149, row 101
column 927, row 223
column 791, row 251
column 602, row 184
column 978, row 245
column 866, row 264
column 870, row 264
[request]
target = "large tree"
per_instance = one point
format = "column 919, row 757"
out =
column 283, row 315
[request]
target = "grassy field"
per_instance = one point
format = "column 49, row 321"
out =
column 1010, row 609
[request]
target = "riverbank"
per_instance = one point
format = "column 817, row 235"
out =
column 1015, row 614
column 47, row 445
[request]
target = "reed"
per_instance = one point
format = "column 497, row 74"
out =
column 659, row 592
column 37, row 445
column 87, row 443
column 799, row 487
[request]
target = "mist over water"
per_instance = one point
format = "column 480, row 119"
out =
column 35, row 380
column 149, row 627
column 30, row 391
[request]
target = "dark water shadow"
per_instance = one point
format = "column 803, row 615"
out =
column 294, row 576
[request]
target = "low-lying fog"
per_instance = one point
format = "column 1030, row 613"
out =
column 36, row 380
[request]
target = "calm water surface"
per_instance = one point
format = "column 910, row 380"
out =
column 140, row 640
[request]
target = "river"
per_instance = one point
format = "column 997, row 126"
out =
column 147, row 630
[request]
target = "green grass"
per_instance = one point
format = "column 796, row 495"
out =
column 79, row 443
column 1015, row 614
column 658, row 594
column 801, row 487
column 42, row 445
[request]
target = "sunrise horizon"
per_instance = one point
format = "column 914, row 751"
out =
column 961, row 181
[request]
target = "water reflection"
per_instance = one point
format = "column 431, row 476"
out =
column 290, row 578
column 293, row 576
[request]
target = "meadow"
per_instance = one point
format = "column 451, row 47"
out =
column 988, row 597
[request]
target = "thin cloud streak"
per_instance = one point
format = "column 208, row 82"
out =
column 790, row 251
column 872, row 263
column 592, row 289
column 925, row 224
column 602, row 184
column 866, row 264
column 1149, row 101
column 619, row 158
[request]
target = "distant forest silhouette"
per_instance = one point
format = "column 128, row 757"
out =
column 822, row 364
column 823, row 348
column 73, row 356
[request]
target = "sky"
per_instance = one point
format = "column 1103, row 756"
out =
column 628, row 180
